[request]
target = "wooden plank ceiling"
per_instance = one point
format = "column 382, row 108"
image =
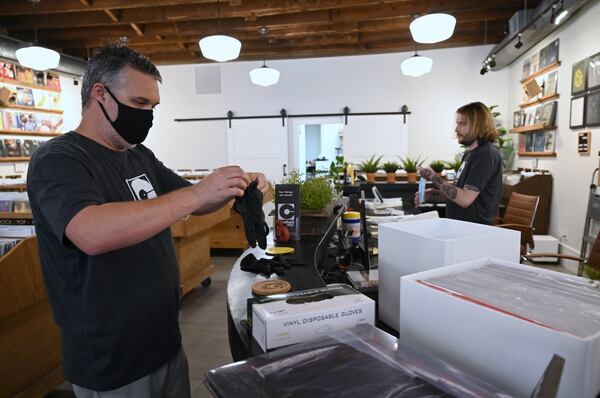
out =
column 168, row 30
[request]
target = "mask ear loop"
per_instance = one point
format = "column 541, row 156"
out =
column 104, row 110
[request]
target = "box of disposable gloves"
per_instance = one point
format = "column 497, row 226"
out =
column 283, row 319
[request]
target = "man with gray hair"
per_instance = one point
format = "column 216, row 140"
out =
column 103, row 205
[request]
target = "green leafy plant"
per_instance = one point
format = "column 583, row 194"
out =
column 504, row 143
column 410, row 164
column 454, row 164
column 315, row 193
column 437, row 165
column 335, row 169
column 371, row 165
column 390, row 167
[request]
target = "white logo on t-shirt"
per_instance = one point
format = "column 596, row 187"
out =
column 141, row 188
column 460, row 170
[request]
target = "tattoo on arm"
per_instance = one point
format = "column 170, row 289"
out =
column 437, row 197
column 426, row 173
column 438, row 181
column 450, row 191
column 472, row 188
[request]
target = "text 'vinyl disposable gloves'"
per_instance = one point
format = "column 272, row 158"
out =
column 250, row 208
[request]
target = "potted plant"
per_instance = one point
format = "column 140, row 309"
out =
column 317, row 197
column 438, row 166
column 370, row 166
column 410, row 165
column 390, row 171
column 455, row 164
column 504, row 143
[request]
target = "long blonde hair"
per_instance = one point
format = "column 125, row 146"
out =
column 481, row 121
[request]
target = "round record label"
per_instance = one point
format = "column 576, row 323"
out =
column 278, row 250
column 271, row 286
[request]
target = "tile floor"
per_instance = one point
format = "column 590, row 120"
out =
column 203, row 323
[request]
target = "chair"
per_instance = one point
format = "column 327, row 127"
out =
column 519, row 216
column 592, row 262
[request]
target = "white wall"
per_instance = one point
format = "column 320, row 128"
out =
column 71, row 104
column 367, row 83
column 572, row 173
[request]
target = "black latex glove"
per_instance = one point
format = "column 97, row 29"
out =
column 286, row 262
column 250, row 208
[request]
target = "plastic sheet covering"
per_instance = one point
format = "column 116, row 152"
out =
column 360, row 362
column 556, row 301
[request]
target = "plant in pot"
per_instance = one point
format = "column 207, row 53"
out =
column 370, row 167
column 390, row 171
column 455, row 164
column 317, row 198
column 410, row 165
column 437, row 166
column 504, row 143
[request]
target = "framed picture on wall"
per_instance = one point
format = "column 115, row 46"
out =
column 578, row 77
column 593, row 72
column 577, row 118
column 592, row 109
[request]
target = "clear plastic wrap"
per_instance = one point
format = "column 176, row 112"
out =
column 358, row 362
column 557, row 301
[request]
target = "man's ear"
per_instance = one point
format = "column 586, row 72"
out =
column 99, row 92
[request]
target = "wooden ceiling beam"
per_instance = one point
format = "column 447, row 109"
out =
column 137, row 29
column 350, row 11
column 20, row 7
column 111, row 15
column 305, row 52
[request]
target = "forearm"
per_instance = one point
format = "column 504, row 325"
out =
column 103, row 228
column 459, row 196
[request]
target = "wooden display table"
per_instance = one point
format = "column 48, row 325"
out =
column 192, row 245
column 29, row 338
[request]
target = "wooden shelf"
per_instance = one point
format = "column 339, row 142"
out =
column 31, row 133
column 539, row 100
column 13, row 188
column 533, row 127
column 30, row 85
column 538, row 154
column 12, row 214
column 15, row 159
column 32, row 109
column 540, row 72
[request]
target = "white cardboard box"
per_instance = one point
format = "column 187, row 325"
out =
column 279, row 323
column 406, row 248
column 506, row 351
column 545, row 244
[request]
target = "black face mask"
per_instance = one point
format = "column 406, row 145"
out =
column 132, row 124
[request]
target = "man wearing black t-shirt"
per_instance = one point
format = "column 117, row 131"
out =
column 475, row 196
column 103, row 205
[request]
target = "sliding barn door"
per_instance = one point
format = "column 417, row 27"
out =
column 259, row 145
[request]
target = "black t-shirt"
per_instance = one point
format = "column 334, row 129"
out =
column 480, row 168
column 117, row 311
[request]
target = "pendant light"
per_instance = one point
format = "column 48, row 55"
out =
column 220, row 47
column 264, row 76
column 432, row 28
column 34, row 56
column 416, row 65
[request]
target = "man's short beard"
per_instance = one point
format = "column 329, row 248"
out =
column 467, row 142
